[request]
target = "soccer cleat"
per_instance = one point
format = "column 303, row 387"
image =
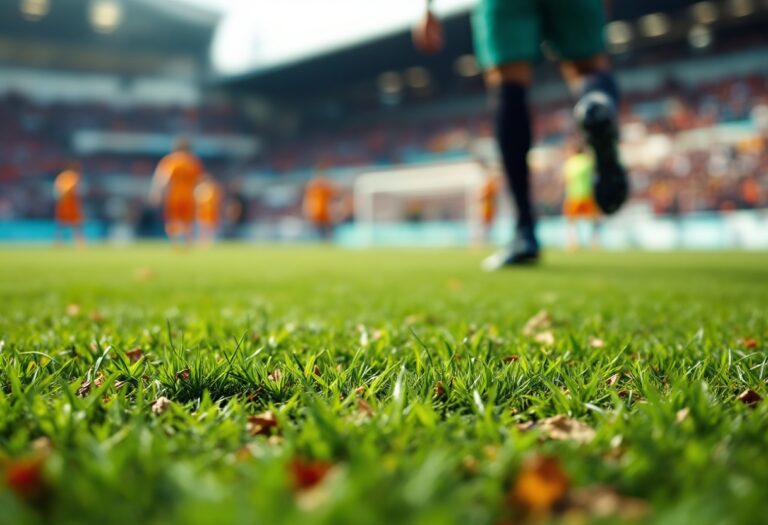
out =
column 596, row 114
column 524, row 251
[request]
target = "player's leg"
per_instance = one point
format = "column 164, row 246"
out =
column 507, row 42
column 575, row 29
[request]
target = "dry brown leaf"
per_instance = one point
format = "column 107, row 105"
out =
column 307, row 474
column 511, row 359
column 613, row 379
column 750, row 343
column 360, row 390
column 601, row 502
column 364, row 408
column 72, row 310
column 316, row 370
column 750, row 398
column 540, row 321
column 134, row 354
column 545, row 338
column 541, row 484
column 439, row 390
column 596, row 342
column 561, row 428
column 262, row 424
column 26, row 478
column 275, row 376
column 161, row 405
column 682, row 415
column 183, row 375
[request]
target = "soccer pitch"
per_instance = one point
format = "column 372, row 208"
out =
column 403, row 387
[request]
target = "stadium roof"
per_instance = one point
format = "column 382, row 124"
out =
column 257, row 35
column 126, row 36
column 365, row 61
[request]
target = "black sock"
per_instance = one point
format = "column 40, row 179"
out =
column 602, row 81
column 513, row 133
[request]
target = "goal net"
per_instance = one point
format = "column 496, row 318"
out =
column 435, row 204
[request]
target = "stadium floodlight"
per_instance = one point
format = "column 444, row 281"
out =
column 741, row 8
column 390, row 82
column 466, row 66
column 618, row 32
column 704, row 12
column 654, row 25
column 418, row 77
column 700, row 36
column 34, row 10
column 106, row 15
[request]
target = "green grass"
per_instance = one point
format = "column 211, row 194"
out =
column 396, row 323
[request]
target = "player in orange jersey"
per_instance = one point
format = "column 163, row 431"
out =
column 69, row 213
column 208, row 196
column 178, row 175
column 489, row 194
column 318, row 199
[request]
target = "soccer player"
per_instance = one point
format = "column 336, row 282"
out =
column 208, row 196
column 488, row 196
column 508, row 35
column 178, row 174
column 318, row 198
column 579, row 203
column 69, row 212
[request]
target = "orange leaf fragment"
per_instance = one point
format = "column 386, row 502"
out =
column 134, row 354
column 262, row 424
column 541, row 484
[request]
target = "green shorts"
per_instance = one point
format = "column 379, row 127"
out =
column 513, row 30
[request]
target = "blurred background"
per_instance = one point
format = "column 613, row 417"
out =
column 273, row 94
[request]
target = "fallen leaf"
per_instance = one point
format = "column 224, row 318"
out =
column 72, row 310
column 134, row 355
column 183, row 375
column 541, row 484
column 511, row 359
column 161, row 405
column 682, row 415
column 306, row 474
column 561, row 428
column 275, row 375
column 601, row 502
column 750, row 343
column 316, row 370
column 596, row 342
column 364, row 408
column 439, row 390
column 613, row 379
column 540, row 321
column 750, row 398
column 25, row 478
column 262, row 424
column 143, row 274
column 85, row 386
column 545, row 338
column 360, row 390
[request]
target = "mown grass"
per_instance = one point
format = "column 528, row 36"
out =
column 679, row 332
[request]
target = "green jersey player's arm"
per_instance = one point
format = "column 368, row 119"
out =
column 428, row 32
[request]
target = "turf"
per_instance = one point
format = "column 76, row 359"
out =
column 299, row 331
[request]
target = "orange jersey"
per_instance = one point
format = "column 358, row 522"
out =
column 488, row 194
column 317, row 201
column 580, row 208
column 182, row 171
column 208, row 196
column 68, row 210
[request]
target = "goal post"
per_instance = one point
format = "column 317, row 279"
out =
column 382, row 197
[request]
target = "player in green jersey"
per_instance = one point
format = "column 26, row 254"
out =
column 508, row 37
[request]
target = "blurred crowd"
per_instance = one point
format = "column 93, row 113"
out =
column 684, row 176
